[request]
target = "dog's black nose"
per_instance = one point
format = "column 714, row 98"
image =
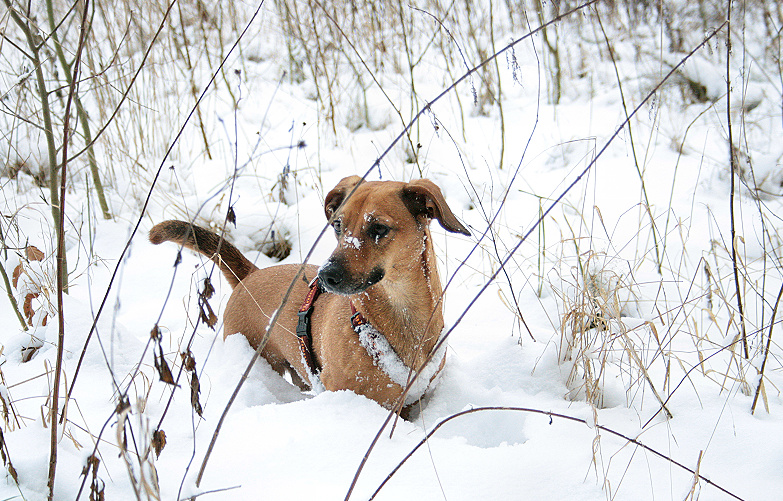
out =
column 331, row 276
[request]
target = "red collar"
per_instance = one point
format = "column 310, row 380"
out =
column 357, row 318
column 303, row 329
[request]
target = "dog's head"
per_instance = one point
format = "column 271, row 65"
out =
column 381, row 230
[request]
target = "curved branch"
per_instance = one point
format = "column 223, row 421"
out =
column 551, row 415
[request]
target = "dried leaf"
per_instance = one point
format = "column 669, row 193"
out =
column 28, row 352
column 209, row 290
column 33, row 253
column 6, row 459
column 207, row 315
column 231, row 217
column 155, row 333
column 188, row 361
column 195, row 388
column 28, row 307
column 96, row 494
column 17, row 273
column 163, row 367
column 92, row 465
column 158, row 441
column 2, row 447
column 123, row 404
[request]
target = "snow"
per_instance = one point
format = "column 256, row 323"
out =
column 619, row 273
column 352, row 241
column 389, row 362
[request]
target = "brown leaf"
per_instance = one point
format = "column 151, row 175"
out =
column 155, row 333
column 33, row 254
column 45, row 320
column 207, row 315
column 7, row 459
column 96, row 493
column 17, row 273
column 28, row 307
column 158, row 441
column 209, row 290
column 188, row 361
column 2, row 447
column 92, row 465
column 163, row 367
column 28, row 352
column 231, row 217
column 12, row 472
column 195, row 388
column 123, row 404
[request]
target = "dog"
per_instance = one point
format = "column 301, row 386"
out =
column 378, row 312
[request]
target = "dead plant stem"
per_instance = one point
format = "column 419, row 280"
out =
column 132, row 82
column 732, row 174
column 653, row 229
column 62, row 269
column 43, row 96
column 11, row 297
column 766, row 351
column 80, row 111
column 499, row 98
column 366, row 67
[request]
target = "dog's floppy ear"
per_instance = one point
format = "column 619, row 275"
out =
column 335, row 197
column 422, row 196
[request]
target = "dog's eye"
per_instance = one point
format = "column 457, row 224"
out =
column 377, row 231
column 338, row 226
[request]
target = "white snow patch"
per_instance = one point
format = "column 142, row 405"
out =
column 389, row 362
column 352, row 241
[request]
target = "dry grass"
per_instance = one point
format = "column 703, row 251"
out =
column 353, row 56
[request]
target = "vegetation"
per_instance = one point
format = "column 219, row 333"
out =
column 121, row 113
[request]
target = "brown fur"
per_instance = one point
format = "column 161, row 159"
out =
column 392, row 280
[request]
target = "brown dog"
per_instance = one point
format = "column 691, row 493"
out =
column 384, row 268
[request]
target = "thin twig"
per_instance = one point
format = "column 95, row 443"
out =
column 766, row 351
column 551, row 415
column 686, row 376
column 213, row 491
column 81, row 113
column 733, row 172
column 62, row 270
column 43, row 95
column 11, row 297
column 647, row 205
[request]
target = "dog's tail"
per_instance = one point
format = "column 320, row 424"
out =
column 232, row 263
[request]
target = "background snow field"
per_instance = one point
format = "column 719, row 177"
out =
column 613, row 318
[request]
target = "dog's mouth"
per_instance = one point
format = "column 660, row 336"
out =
column 335, row 279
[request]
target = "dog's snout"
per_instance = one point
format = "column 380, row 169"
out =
column 331, row 275
column 337, row 279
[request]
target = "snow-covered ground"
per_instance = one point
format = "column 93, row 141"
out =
column 626, row 289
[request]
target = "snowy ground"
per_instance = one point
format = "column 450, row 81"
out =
column 597, row 243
